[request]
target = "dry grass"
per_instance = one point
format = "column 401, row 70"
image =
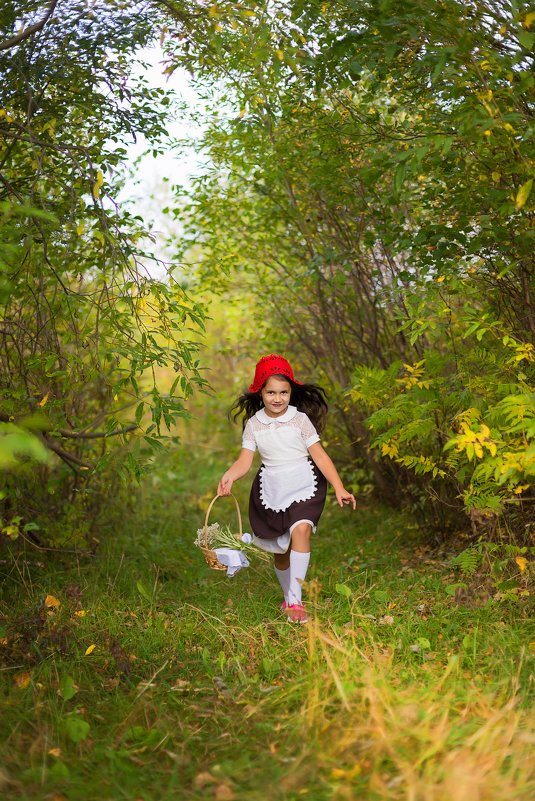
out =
column 438, row 738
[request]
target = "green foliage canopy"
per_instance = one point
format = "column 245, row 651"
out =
column 372, row 186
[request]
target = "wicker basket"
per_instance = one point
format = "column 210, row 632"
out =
column 209, row 554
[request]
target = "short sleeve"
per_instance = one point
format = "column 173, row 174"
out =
column 248, row 438
column 308, row 432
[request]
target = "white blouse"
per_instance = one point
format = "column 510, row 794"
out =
column 287, row 475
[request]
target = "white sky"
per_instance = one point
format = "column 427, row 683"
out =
column 149, row 189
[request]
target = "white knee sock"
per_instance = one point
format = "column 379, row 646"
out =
column 298, row 570
column 284, row 580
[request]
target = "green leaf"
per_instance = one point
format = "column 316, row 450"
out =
column 527, row 40
column 381, row 596
column 59, row 771
column 451, row 589
column 143, row 591
column 139, row 412
column 67, row 688
column 344, row 590
column 399, row 177
column 77, row 728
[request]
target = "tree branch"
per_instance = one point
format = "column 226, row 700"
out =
column 96, row 434
column 69, row 458
column 27, row 32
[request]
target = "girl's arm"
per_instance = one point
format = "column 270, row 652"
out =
column 235, row 471
column 326, row 465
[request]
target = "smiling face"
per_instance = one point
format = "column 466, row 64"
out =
column 276, row 394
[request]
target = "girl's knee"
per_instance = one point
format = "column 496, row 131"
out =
column 301, row 536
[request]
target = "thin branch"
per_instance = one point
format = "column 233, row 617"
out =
column 69, row 458
column 27, row 32
column 97, row 434
column 55, row 550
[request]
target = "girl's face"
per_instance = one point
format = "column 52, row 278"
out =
column 276, row 394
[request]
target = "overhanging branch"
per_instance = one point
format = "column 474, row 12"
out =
column 97, row 434
column 30, row 30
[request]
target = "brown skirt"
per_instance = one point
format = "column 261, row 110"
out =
column 268, row 525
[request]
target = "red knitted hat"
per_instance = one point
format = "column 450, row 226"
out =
column 271, row 365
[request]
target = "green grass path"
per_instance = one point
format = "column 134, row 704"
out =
column 156, row 678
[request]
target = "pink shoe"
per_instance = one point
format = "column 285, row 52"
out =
column 284, row 606
column 297, row 613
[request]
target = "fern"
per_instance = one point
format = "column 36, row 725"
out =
column 468, row 560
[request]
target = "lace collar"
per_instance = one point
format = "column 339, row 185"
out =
column 288, row 415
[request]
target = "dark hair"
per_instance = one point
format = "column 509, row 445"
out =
column 308, row 398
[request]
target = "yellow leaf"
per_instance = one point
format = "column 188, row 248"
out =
column 523, row 193
column 521, row 562
column 22, row 680
column 43, row 401
column 243, row 112
column 496, row 176
column 213, row 11
column 95, row 189
column 51, row 602
column 55, row 752
column 528, row 19
column 503, row 30
column 440, row 279
column 279, row 54
column 340, row 773
column 89, row 650
column 80, row 229
column 518, row 490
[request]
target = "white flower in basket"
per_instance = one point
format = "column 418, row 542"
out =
column 222, row 549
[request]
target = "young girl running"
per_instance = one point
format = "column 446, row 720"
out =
column 282, row 417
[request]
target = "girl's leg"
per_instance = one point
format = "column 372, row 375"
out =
column 282, row 571
column 299, row 559
column 282, row 560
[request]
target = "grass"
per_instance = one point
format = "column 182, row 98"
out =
column 198, row 688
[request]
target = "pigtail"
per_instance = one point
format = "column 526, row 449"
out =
column 247, row 405
column 312, row 400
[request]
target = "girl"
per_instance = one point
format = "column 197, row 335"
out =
column 288, row 492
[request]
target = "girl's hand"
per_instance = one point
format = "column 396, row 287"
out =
column 225, row 485
column 343, row 497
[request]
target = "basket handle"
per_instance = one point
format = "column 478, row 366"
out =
column 208, row 515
